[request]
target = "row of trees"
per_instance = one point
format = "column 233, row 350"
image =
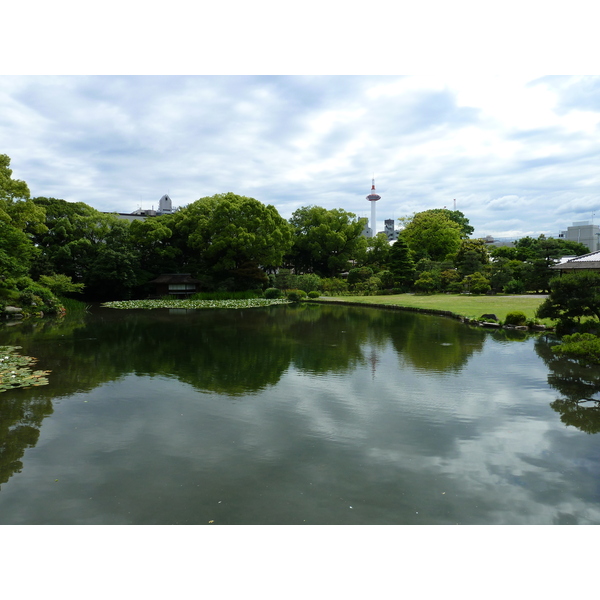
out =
column 234, row 242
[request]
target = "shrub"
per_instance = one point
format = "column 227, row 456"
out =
column 40, row 298
column 308, row 282
column 427, row 282
column 358, row 275
column 296, row 295
column 477, row 283
column 285, row 279
column 334, row 286
column 584, row 347
column 514, row 286
column 313, row 294
column 516, row 317
column 272, row 293
column 387, row 279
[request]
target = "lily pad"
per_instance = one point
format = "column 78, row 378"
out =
column 16, row 372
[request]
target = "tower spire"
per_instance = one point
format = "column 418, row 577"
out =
column 372, row 198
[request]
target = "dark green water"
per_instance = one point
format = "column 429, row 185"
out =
column 295, row 415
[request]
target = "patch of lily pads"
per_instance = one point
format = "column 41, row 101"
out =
column 195, row 304
column 16, row 372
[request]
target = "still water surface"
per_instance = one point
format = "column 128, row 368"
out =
column 295, row 415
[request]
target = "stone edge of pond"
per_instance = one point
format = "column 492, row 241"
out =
column 435, row 311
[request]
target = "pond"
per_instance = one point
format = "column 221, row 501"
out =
column 297, row 414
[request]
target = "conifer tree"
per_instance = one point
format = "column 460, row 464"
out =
column 401, row 264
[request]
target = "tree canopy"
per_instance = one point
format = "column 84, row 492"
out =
column 432, row 234
column 232, row 236
column 571, row 297
column 325, row 241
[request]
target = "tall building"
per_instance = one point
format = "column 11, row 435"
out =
column 372, row 198
column 583, row 232
column 390, row 230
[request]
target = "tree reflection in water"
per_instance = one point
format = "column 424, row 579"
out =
column 578, row 384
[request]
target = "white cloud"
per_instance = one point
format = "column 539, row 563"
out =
column 118, row 142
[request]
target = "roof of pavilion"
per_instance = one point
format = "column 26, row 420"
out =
column 586, row 261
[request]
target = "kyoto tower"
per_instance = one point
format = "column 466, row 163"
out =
column 372, row 198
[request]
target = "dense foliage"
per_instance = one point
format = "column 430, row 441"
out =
column 572, row 297
column 51, row 248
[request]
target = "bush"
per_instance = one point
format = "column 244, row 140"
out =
column 477, row 283
column 358, row 275
column 584, row 347
column 387, row 279
column 427, row 282
column 296, row 295
column 272, row 293
column 516, row 317
column 313, row 294
column 334, row 286
column 40, row 298
column 309, row 282
column 514, row 286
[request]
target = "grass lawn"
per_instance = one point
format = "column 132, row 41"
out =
column 466, row 306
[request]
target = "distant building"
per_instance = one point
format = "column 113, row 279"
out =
column 165, row 207
column 392, row 234
column 180, row 285
column 587, row 262
column 583, row 232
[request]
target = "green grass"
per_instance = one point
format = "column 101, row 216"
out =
column 465, row 306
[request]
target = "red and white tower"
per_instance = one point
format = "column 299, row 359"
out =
column 372, row 198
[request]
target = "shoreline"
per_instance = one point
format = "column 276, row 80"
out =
column 436, row 312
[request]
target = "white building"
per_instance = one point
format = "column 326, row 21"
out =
column 165, row 207
column 583, row 232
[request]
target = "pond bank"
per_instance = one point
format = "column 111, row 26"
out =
column 468, row 307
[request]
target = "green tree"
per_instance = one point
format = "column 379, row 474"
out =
column 153, row 240
column 477, row 283
column 19, row 219
column 325, row 241
column 232, row 237
column 401, row 264
column 358, row 275
column 572, row 297
column 376, row 253
column 503, row 271
column 90, row 247
column 428, row 282
column 458, row 217
column 431, row 234
column 472, row 256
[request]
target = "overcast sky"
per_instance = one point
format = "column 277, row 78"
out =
column 517, row 154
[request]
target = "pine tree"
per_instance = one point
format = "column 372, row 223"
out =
column 401, row 264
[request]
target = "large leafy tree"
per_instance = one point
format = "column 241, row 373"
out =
column 153, row 239
column 90, row 247
column 458, row 217
column 325, row 241
column 233, row 237
column 376, row 252
column 432, row 234
column 20, row 218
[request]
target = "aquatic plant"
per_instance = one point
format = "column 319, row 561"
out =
column 15, row 371
column 195, row 304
